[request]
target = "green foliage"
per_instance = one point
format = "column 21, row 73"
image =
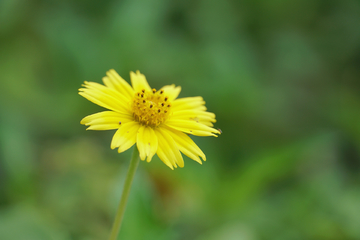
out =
column 281, row 76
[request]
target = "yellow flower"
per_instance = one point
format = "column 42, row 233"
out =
column 155, row 120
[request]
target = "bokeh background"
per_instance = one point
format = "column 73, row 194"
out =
column 281, row 76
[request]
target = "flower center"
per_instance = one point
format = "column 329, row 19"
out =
column 151, row 108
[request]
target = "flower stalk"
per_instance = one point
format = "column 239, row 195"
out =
column 125, row 194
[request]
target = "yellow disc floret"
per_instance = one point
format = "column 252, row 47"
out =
column 151, row 108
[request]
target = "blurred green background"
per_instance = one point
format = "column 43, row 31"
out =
column 281, row 76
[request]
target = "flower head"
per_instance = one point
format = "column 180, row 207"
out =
column 153, row 119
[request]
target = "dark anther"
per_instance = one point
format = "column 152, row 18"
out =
column 162, row 91
column 162, row 104
column 142, row 95
column 119, row 123
column 151, row 105
column 154, row 90
column 159, row 110
column 166, row 98
column 143, row 90
column 165, row 111
column 144, row 101
column 169, row 105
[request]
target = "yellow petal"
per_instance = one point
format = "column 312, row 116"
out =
column 139, row 82
column 147, row 143
column 171, row 91
column 152, row 143
column 168, row 151
column 114, row 81
column 195, row 113
column 203, row 117
column 125, row 136
column 97, row 87
column 105, row 97
column 163, row 157
column 187, row 145
column 106, row 117
column 141, row 142
column 191, row 127
column 189, row 103
column 103, row 126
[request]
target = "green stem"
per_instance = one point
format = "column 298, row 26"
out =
column 125, row 194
